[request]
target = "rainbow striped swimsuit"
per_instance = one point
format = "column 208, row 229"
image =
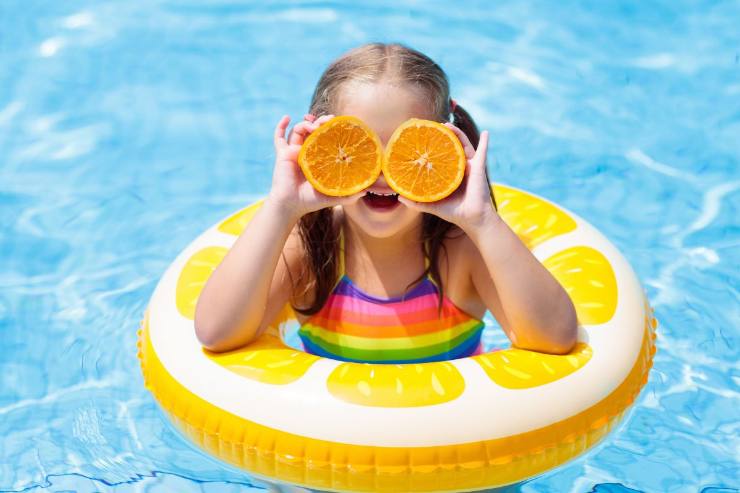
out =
column 355, row 326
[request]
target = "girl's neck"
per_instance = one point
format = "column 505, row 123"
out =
column 402, row 248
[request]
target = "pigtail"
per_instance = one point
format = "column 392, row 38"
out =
column 462, row 120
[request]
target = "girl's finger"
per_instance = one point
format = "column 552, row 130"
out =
column 309, row 117
column 290, row 153
column 323, row 118
column 464, row 140
column 480, row 153
column 300, row 132
column 304, row 129
column 279, row 135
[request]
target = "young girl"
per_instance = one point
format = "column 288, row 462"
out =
column 375, row 277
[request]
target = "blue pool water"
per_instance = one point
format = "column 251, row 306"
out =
column 126, row 128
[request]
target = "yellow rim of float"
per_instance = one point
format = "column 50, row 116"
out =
column 278, row 455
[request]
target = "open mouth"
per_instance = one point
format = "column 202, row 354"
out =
column 381, row 201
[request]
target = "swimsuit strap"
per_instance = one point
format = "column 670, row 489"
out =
column 341, row 270
column 426, row 266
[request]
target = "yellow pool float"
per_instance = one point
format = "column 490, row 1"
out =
column 472, row 423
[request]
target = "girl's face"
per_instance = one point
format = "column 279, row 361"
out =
column 383, row 106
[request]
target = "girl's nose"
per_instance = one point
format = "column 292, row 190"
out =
column 381, row 183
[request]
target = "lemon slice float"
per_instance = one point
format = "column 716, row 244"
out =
column 489, row 420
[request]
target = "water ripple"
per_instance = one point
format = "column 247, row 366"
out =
column 127, row 128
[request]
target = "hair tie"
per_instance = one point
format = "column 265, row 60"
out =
column 453, row 105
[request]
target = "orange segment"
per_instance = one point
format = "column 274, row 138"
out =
column 193, row 277
column 196, row 272
column 522, row 369
column 424, row 161
column 341, row 157
column 410, row 385
column 532, row 219
column 588, row 278
column 236, row 223
column 266, row 360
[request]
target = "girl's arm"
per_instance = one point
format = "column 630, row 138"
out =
column 249, row 287
column 249, row 284
column 539, row 314
column 529, row 303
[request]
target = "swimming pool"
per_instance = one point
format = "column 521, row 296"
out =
column 125, row 130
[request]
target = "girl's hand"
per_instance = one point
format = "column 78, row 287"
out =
column 290, row 191
column 470, row 205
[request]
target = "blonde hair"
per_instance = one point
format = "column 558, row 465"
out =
column 394, row 62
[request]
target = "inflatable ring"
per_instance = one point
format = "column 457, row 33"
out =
column 472, row 423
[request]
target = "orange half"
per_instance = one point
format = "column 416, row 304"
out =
column 424, row 160
column 341, row 157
